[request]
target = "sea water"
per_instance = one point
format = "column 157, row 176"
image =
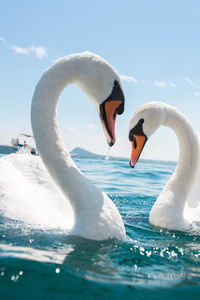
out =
column 152, row 263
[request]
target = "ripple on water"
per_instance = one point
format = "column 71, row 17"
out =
column 152, row 262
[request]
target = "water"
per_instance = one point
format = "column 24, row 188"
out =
column 154, row 263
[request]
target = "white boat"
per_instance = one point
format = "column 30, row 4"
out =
column 6, row 149
column 16, row 146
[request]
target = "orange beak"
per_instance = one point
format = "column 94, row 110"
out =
column 108, row 114
column 137, row 143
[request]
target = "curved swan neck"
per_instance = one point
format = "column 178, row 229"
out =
column 74, row 185
column 44, row 105
column 182, row 180
column 95, row 215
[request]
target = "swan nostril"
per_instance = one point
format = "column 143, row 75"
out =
column 134, row 142
column 116, row 83
column 121, row 108
column 115, row 113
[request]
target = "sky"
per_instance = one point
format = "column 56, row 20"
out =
column 154, row 46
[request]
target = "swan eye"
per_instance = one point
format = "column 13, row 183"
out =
column 137, row 130
column 130, row 137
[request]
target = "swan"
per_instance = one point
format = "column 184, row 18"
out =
column 177, row 206
column 95, row 215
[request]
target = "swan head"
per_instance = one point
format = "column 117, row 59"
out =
column 103, row 86
column 143, row 124
column 109, row 109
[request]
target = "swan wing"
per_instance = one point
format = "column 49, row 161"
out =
column 28, row 193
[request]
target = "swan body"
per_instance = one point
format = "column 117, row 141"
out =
column 95, row 215
column 178, row 206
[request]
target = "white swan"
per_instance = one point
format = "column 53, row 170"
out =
column 178, row 204
column 95, row 215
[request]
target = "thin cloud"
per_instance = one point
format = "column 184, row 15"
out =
column 172, row 84
column 69, row 129
column 160, row 83
column 2, row 39
column 129, row 79
column 188, row 80
column 39, row 52
column 20, row 50
column 197, row 93
column 91, row 126
column 163, row 84
column 193, row 85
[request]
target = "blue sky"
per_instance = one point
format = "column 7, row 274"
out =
column 154, row 45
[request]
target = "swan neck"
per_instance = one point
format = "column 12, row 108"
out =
column 48, row 139
column 183, row 178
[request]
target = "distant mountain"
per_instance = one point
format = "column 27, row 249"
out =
column 82, row 153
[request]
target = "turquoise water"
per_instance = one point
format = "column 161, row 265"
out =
column 151, row 263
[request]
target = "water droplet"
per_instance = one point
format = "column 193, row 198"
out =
column 173, row 253
column 148, row 253
column 107, row 153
